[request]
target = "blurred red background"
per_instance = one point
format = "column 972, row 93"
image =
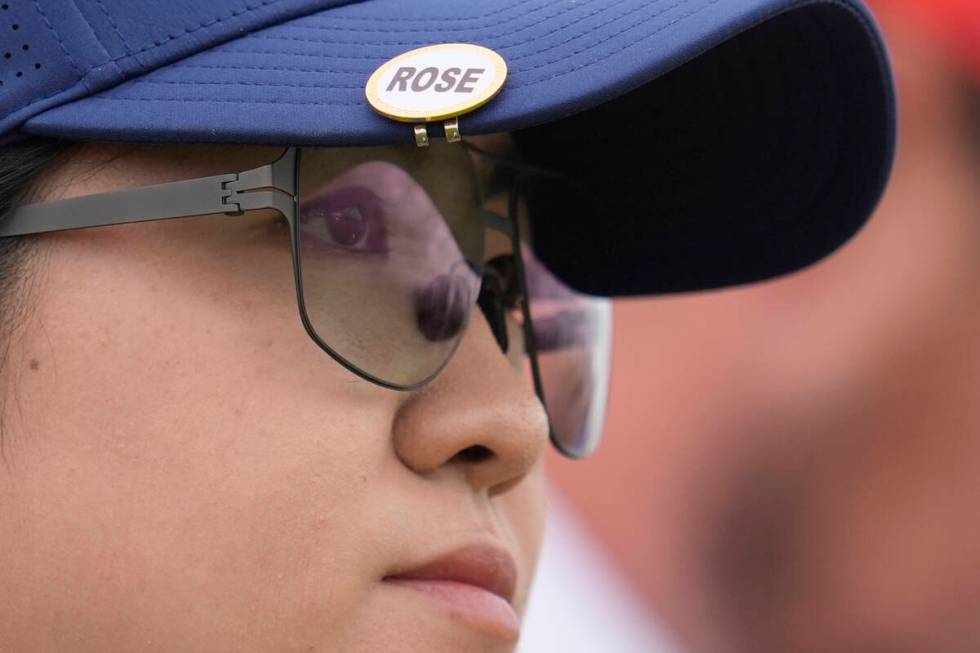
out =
column 795, row 466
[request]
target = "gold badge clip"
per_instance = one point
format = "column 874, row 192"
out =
column 436, row 83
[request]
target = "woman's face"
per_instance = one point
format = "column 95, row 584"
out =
column 185, row 470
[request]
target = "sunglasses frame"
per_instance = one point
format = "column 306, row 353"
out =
column 511, row 226
column 273, row 186
column 524, row 175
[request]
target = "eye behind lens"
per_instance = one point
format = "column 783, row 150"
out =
column 350, row 218
column 441, row 307
column 389, row 250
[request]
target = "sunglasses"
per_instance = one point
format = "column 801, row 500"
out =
column 390, row 256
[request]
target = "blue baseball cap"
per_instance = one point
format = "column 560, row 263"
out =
column 729, row 141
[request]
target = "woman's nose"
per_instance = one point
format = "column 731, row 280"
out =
column 479, row 418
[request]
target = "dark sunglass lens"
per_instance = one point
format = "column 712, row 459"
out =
column 573, row 342
column 572, row 332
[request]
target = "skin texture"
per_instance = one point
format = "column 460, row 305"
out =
column 804, row 454
column 185, row 470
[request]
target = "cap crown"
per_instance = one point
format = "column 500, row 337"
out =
column 55, row 51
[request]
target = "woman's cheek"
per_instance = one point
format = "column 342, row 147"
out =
column 525, row 506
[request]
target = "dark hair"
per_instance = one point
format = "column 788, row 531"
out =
column 21, row 165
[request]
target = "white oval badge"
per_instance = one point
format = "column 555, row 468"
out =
column 436, row 82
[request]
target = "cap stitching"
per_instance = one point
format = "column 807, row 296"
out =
column 81, row 75
column 513, row 86
column 489, row 36
column 228, row 101
column 511, row 59
column 195, row 28
column 456, row 30
column 265, row 37
column 92, row 32
column 176, row 82
column 380, row 19
column 64, row 49
column 530, row 83
column 12, row 111
column 115, row 27
column 423, row 30
column 329, row 28
column 349, row 57
column 595, row 28
column 337, row 71
column 298, row 54
column 560, row 28
column 610, row 53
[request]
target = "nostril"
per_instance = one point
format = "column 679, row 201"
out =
column 475, row 454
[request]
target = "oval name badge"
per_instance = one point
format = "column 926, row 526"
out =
column 436, row 82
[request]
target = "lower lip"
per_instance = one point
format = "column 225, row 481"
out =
column 469, row 604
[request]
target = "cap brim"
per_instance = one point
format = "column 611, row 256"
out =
column 764, row 154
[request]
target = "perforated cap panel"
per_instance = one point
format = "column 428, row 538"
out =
column 34, row 63
column 83, row 46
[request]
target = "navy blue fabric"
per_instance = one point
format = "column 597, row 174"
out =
column 293, row 72
column 79, row 47
column 735, row 178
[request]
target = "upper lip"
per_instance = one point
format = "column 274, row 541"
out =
column 482, row 565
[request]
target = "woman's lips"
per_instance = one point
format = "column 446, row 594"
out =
column 475, row 583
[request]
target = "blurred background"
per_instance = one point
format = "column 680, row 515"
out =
column 795, row 466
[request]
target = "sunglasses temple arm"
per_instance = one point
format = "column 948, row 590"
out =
column 512, row 226
column 497, row 222
column 227, row 193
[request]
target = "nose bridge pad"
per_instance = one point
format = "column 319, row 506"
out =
column 492, row 306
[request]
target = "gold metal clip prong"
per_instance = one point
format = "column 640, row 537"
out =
column 421, row 136
column 452, row 130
